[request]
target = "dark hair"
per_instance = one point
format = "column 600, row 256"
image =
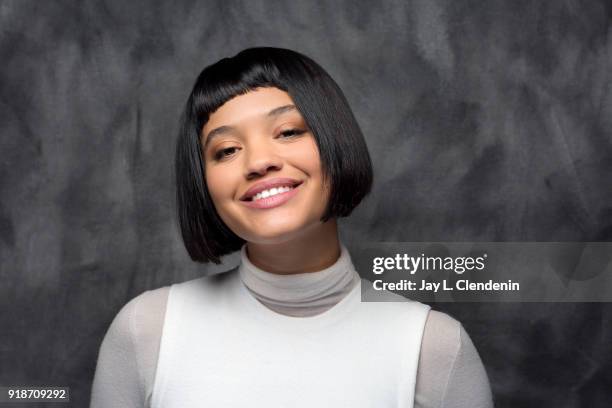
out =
column 344, row 155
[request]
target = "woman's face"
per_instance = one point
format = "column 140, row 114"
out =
column 257, row 138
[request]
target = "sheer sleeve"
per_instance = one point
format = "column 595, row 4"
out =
column 117, row 381
column 127, row 360
column 450, row 373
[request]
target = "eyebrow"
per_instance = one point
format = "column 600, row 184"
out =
column 227, row 129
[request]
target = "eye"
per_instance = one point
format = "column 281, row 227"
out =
column 223, row 153
column 287, row 134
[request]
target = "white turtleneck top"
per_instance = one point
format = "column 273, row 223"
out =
column 450, row 372
column 302, row 294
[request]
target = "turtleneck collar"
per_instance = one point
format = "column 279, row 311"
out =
column 301, row 294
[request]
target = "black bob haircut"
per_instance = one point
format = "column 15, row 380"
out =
column 345, row 160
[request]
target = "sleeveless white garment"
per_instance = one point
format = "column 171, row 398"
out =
column 221, row 347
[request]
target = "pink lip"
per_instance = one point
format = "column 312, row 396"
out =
column 267, row 184
column 274, row 201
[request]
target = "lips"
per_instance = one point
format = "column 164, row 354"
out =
column 268, row 184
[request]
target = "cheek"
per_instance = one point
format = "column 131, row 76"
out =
column 308, row 157
column 310, row 163
column 216, row 187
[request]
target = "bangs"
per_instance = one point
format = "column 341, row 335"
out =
column 230, row 77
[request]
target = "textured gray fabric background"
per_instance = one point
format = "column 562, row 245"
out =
column 486, row 121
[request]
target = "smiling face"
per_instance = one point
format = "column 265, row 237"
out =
column 256, row 138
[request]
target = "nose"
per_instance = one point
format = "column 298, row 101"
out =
column 259, row 159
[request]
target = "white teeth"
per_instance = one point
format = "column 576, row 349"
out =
column 271, row 192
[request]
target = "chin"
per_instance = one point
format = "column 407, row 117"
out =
column 275, row 234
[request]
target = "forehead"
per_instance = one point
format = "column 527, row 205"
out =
column 253, row 104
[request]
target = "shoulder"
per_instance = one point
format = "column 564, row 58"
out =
column 150, row 304
column 140, row 317
column 449, row 365
column 439, row 350
column 441, row 339
column 129, row 350
column 444, row 326
column 145, row 312
column 445, row 337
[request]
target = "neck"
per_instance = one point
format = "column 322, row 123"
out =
column 300, row 294
column 314, row 250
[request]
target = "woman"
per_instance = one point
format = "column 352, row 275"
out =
column 268, row 158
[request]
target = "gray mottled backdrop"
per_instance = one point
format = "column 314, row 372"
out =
column 487, row 121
